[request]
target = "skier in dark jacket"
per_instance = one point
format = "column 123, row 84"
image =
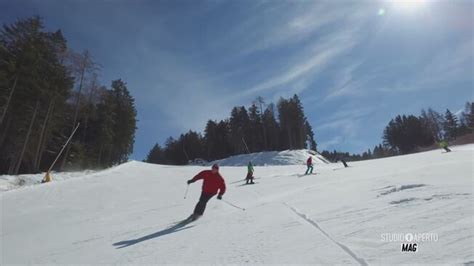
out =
column 211, row 185
column 343, row 162
column 309, row 164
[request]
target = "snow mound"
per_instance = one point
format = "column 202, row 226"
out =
column 288, row 157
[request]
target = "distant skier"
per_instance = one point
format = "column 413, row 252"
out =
column 343, row 162
column 249, row 178
column 444, row 145
column 212, row 183
column 309, row 164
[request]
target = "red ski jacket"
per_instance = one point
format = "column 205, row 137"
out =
column 211, row 182
column 309, row 162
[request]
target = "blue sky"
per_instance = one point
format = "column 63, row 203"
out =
column 355, row 64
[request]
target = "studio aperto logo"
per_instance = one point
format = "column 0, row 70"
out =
column 409, row 242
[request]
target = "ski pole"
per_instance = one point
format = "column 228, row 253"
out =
column 233, row 205
column 186, row 193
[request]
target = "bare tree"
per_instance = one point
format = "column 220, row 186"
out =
column 25, row 144
column 12, row 90
column 261, row 102
column 82, row 65
column 42, row 138
column 94, row 84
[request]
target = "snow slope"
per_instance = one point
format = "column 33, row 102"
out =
column 338, row 216
column 288, row 157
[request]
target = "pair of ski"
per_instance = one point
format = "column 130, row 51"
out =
column 190, row 219
column 238, row 181
column 247, row 184
column 194, row 217
column 301, row 175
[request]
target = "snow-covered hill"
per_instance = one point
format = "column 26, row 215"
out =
column 338, row 216
column 288, row 157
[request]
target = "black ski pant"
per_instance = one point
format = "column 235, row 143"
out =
column 446, row 149
column 344, row 163
column 201, row 205
column 249, row 178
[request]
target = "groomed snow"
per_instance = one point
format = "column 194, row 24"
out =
column 338, row 216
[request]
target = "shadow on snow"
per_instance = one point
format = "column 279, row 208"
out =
column 173, row 229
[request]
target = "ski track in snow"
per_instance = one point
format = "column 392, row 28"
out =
column 346, row 249
column 400, row 188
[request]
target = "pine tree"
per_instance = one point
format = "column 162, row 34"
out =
column 245, row 131
column 310, row 137
column 261, row 102
column 272, row 128
column 450, row 125
column 32, row 80
column 38, row 108
column 292, row 123
column 405, row 133
column 173, row 153
column 155, row 155
column 217, row 140
column 105, row 134
column 239, row 129
column 256, row 138
column 433, row 121
column 193, row 145
column 125, row 121
column 468, row 117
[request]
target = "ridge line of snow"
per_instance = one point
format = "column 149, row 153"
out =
column 351, row 253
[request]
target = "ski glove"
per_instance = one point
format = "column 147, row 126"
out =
column 219, row 197
column 190, row 181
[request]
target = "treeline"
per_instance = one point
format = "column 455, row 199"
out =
column 408, row 133
column 379, row 151
column 46, row 89
column 405, row 134
column 260, row 128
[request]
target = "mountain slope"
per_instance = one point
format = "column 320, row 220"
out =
column 126, row 215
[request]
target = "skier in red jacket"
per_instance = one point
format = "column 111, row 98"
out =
column 309, row 164
column 212, row 183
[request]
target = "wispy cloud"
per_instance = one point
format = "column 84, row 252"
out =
column 343, row 126
column 342, row 31
column 281, row 23
column 187, row 97
column 346, row 82
column 445, row 67
column 182, row 84
column 448, row 65
column 328, row 144
column 320, row 58
column 345, row 120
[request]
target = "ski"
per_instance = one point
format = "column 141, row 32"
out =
column 246, row 184
column 301, row 175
